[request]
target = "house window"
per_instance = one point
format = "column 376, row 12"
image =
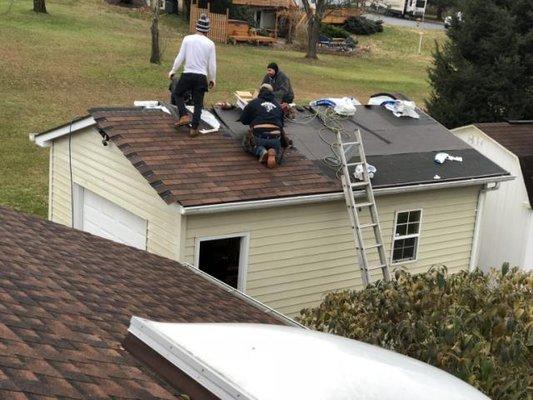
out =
column 406, row 236
column 224, row 258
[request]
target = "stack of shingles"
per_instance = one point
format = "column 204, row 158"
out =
column 208, row 169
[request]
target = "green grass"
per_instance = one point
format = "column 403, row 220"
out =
column 86, row 53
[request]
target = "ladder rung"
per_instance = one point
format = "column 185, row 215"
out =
column 367, row 226
column 354, row 163
column 351, row 143
column 374, row 246
column 360, row 205
column 376, row 267
column 359, row 184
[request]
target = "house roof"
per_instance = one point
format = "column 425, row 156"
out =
column 517, row 137
column 209, row 169
column 66, row 299
column 402, row 149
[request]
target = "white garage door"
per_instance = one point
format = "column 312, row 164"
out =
column 104, row 218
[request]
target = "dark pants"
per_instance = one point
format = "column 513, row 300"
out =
column 197, row 85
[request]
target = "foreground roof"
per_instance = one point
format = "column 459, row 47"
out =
column 66, row 299
column 517, row 137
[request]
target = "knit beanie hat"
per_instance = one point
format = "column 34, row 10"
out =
column 273, row 66
column 203, row 25
column 267, row 87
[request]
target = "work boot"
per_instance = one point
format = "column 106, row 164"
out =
column 271, row 159
column 193, row 132
column 184, row 120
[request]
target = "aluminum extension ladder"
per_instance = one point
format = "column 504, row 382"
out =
column 359, row 229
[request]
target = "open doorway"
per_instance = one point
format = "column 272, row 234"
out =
column 223, row 258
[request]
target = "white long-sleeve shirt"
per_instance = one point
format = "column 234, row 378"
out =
column 198, row 52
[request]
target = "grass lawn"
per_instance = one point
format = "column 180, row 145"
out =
column 86, row 53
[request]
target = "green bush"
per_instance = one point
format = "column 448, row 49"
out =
column 476, row 326
column 333, row 31
column 363, row 26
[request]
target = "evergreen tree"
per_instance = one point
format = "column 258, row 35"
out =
column 484, row 71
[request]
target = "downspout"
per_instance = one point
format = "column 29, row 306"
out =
column 474, row 255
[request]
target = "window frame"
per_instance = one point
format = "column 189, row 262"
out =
column 243, row 254
column 407, row 236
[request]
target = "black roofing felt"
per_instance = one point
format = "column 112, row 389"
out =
column 402, row 149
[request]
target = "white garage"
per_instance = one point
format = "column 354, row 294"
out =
column 103, row 218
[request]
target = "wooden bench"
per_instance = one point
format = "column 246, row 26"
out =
column 240, row 32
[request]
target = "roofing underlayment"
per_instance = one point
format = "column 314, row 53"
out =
column 402, row 149
column 516, row 137
column 66, row 299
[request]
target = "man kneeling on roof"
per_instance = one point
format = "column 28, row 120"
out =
column 265, row 117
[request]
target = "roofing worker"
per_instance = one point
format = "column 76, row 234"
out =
column 281, row 84
column 198, row 53
column 265, row 117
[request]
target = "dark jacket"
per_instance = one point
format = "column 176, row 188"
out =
column 265, row 109
column 282, row 87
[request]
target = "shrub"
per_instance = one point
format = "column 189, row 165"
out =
column 476, row 326
column 363, row 26
column 333, row 31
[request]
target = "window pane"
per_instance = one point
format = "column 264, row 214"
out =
column 412, row 229
column 401, row 230
column 404, row 249
column 414, row 216
column 402, row 218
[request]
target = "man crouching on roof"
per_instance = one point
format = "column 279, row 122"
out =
column 265, row 117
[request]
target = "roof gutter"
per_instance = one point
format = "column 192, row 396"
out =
column 335, row 196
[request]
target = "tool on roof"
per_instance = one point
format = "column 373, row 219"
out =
column 362, row 244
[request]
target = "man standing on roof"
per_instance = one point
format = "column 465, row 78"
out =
column 198, row 53
column 281, row 84
column 265, row 117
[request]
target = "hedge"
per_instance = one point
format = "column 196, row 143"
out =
column 477, row 326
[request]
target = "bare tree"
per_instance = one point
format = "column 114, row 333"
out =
column 316, row 15
column 155, row 57
column 39, row 6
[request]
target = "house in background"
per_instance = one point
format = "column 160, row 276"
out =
column 506, row 231
column 282, row 236
column 266, row 10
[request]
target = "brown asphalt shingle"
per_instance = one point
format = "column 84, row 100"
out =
column 66, row 298
column 209, row 169
column 518, row 139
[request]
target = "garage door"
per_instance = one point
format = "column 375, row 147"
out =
column 104, row 218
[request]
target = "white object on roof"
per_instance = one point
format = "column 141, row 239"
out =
column 264, row 362
column 441, row 157
column 358, row 173
column 341, row 105
column 151, row 105
column 209, row 119
column 402, row 108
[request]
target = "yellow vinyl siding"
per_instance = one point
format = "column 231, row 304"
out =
column 299, row 253
column 108, row 173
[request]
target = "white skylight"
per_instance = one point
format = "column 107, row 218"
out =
column 266, row 362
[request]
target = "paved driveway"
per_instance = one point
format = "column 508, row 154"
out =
column 404, row 22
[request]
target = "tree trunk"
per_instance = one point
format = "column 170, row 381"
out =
column 155, row 57
column 440, row 11
column 313, row 31
column 39, row 6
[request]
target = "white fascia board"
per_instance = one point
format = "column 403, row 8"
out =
column 320, row 198
column 45, row 139
column 185, row 361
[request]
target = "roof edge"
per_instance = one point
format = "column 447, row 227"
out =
column 335, row 196
column 44, row 139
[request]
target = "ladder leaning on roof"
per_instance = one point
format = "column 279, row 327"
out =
column 359, row 229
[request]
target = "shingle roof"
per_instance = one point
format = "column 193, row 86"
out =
column 66, row 298
column 517, row 138
column 209, row 169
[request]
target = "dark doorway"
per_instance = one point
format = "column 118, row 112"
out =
column 220, row 258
